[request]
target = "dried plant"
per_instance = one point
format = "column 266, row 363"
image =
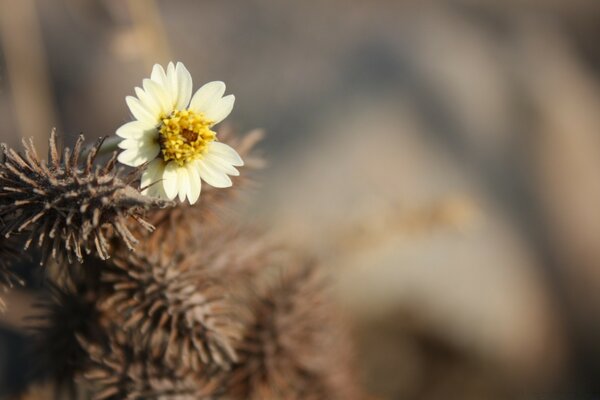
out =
column 66, row 207
column 202, row 309
column 120, row 371
column 174, row 309
column 64, row 316
column 293, row 347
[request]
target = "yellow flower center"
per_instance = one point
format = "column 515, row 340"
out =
column 184, row 136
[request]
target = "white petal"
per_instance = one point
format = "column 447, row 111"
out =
column 138, row 156
column 128, row 157
column 171, row 72
column 149, row 102
column 136, row 130
column 163, row 101
column 195, row 184
column 130, row 144
column 158, row 74
column 221, row 164
column 157, row 190
column 138, row 143
column 140, row 112
column 171, row 83
column 182, row 183
column 152, row 175
column 184, row 86
column 226, row 152
column 219, row 110
column 212, row 175
column 208, row 94
column 170, row 180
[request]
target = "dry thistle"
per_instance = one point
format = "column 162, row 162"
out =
column 293, row 347
column 68, row 208
column 119, row 371
column 174, row 310
column 65, row 315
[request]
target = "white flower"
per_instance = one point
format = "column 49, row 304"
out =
column 172, row 133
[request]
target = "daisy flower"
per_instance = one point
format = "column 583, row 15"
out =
column 172, row 132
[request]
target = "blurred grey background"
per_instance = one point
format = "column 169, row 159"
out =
column 441, row 158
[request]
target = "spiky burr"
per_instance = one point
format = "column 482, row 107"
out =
column 65, row 316
column 121, row 371
column 293, row 346
column 69, row 206
column 174, row 310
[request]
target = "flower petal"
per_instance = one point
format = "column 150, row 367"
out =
column 219, row 110
column 136, row 130
column 158, row 74
column 140, row 112
column 212, row 175
column 195, row 184
column 171, row 83
column 221, row 164
column 137, row 143
column 135, row 157
column 164, row 103
column 149, row 102
column 170, row 180
column 157, row 190
column 152, row 176
column 208, row 94
column 182, row 183
column 184, row 86
column 226, row 152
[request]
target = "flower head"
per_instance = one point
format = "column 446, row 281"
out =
column 172, row 132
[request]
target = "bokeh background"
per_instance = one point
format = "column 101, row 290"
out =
column 441, row 159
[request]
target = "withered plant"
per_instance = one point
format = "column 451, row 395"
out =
column 68, row 205
column 197, row 308
column 293, row 346
column 175, row 310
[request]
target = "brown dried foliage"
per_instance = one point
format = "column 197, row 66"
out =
column 201, row 309
column 65, row 315
column 293, row 346
column 120, row 371
column 174, row 310
column 68, row 207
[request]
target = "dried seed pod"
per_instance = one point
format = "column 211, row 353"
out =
column 64, row 315
column 293, row 347
column 67, row 206
column 120, row 371
column 8, row 254
column 174, row 309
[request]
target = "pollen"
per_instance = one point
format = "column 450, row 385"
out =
column 184, row 136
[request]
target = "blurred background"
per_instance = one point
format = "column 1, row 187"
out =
column 441, row 158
